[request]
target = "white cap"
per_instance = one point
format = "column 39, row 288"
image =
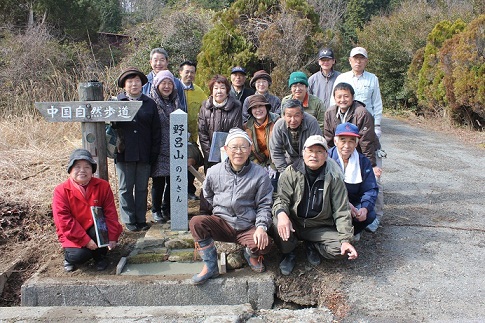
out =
column 315, row 140
column 357, row 51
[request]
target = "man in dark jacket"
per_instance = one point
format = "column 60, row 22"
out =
column 238, row 80
column 138, row 148
column 358, row 176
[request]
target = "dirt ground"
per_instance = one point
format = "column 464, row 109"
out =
column 425, row 263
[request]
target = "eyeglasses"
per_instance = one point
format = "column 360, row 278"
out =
column 298, row 86
column 260, row 82
column 243, row 149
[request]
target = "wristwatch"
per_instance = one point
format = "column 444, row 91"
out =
column 263, row 227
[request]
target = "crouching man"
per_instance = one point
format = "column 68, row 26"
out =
column 312, row 206
column 240, row 193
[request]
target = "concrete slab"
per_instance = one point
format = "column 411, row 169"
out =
column 238, row 287
column 162, row 268
column 234, row 313
column 213, row 314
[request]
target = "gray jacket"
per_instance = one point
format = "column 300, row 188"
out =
column 242, row 199
column 282, row 153
column 322, row 86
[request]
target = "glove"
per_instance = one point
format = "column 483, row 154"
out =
column 271, row 172
column 378, row 131
column 381, row 153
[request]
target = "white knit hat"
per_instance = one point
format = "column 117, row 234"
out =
column 237, row 133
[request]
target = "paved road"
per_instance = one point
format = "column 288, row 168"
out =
column 426, row 263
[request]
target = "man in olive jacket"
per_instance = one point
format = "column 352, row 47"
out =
column 312, row 206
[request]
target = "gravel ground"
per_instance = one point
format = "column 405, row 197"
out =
column 425, row 263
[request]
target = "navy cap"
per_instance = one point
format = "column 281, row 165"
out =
column 238, row 69
column 325, row 53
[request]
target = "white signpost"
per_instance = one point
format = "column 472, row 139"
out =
column 178, row 171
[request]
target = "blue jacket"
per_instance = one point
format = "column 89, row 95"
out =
column 365, row 193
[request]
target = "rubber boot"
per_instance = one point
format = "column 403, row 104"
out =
column 208, row 253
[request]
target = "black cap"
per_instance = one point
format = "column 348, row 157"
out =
column 326, row 53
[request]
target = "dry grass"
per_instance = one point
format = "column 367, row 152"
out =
column 34, row 154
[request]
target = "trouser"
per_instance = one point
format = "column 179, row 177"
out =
column 133, row 191
column 325, row 239
column 81, row 255
column 360, row 226
column 190, row 183
column 379, row 207
column 211, row 226
column 161, row 194
column 204, row 207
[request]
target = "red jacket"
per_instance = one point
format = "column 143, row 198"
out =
column 72, row 212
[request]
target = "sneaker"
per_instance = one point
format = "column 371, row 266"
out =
column 101, row 264
column 373, row 226
column 288, row 263
column 157, row 216
column 132, row 227
column 142, row 226
column 68, row 267
column 193, row 197
column 312, row 254
column 259, row 268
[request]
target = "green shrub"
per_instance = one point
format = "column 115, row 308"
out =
column 279, row 36
column 463, row 65
column 392, row 42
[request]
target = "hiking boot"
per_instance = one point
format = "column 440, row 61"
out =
column 259, row 267
column 288, row 263
column 312, row 254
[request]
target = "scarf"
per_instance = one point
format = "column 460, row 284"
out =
column 352, row 171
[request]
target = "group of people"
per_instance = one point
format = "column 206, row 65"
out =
column 304, row 168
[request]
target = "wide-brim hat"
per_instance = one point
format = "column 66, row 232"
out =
column 258, row 99
column 131, row 71
column 261, row 74
column 81, row 154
